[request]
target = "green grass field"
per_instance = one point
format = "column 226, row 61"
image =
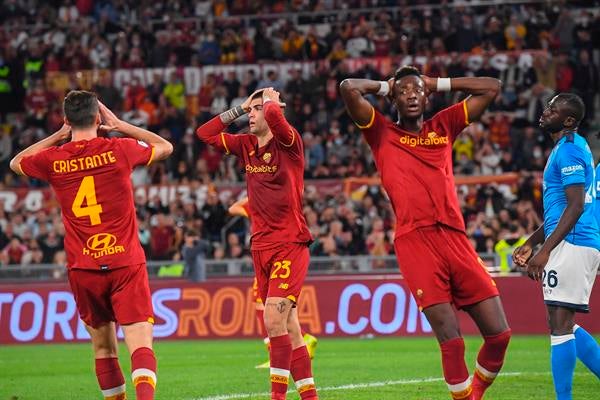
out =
column 349, row 369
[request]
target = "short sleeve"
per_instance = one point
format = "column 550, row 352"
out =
column 137, row 152
column 36, row 166
column 374, row 129
column 571, row 162
column 452, row 120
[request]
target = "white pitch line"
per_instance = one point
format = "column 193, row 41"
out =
column 355, row 386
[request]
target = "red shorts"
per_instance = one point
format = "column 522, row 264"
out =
column 440, row 266
column 121, row 295
column 280, row 271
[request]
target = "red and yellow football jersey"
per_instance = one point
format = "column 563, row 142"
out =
column 274, row 175
column 416, row 170
column 91, row 179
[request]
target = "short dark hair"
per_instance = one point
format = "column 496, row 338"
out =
column 257, row 95
column 406, row 70
column 80, row 108
column 573, row 104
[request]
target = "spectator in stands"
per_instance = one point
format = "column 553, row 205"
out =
column 162, row 237
column 13, row 252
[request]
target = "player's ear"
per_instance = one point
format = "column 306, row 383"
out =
column 569, row 122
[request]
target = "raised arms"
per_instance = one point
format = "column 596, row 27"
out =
column 62, row 134
column 481, row 91
column 353, row 92
column 162, row 147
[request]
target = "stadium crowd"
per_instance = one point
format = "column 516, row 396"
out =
column 127, row 34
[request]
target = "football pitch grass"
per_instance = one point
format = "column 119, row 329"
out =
column 349, row 369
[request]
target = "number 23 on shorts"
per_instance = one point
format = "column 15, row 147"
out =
column 282, row 269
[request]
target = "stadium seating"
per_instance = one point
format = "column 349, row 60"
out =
column 137, row 60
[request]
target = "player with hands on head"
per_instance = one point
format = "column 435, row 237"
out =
column 106, row 263
column 441, row 268
column 273, row 155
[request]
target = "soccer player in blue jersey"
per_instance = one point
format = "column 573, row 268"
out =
column 567, row 261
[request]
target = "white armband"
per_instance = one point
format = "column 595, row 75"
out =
column 443, row 85
column 384, row 88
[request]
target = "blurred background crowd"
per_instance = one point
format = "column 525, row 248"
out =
column 562, row 44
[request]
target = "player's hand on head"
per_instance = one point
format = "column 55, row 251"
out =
column 110, row 122
column 246, row 104
column 430, row 84
column 273, row 95
column 391, row 83
column 64, row 132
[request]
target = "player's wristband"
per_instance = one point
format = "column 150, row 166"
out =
column 231, row 115
column 384, row 88
column 443, row 85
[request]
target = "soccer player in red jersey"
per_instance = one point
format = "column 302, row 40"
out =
column 242, row 209
column 441, row 268
column 106, row 264
column 273, row 155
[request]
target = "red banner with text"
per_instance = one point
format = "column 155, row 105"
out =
column 343, row 305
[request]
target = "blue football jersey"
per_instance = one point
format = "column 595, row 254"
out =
column 571, row 163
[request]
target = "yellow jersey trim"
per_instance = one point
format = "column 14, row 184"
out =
column 224, row 143
column 151, row 156
column 21, row 169
column 293, row 138
column 466, row 112
column 370, row 122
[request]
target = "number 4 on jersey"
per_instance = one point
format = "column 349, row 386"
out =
column 87, row 193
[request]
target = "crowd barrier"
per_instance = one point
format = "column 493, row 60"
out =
column 330, row 306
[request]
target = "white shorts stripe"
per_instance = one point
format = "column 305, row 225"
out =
column 485, row 372
column 304, row 382
column 459, row 387
column 113, row 391
column 556, row 340
column 143, row 372
column 280, row 372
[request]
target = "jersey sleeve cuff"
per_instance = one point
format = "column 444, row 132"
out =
column 467, row 122
column 151, row 156
column 367, row 126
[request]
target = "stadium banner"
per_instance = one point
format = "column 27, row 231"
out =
column 336, row 305
column 194, row 77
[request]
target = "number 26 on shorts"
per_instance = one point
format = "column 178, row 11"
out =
column 282, row 269
column 550, row 279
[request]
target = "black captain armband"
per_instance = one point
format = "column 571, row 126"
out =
column 231, row 115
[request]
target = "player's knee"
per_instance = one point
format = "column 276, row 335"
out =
column 500, row 340
column 275, row 324
column 104, row 350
